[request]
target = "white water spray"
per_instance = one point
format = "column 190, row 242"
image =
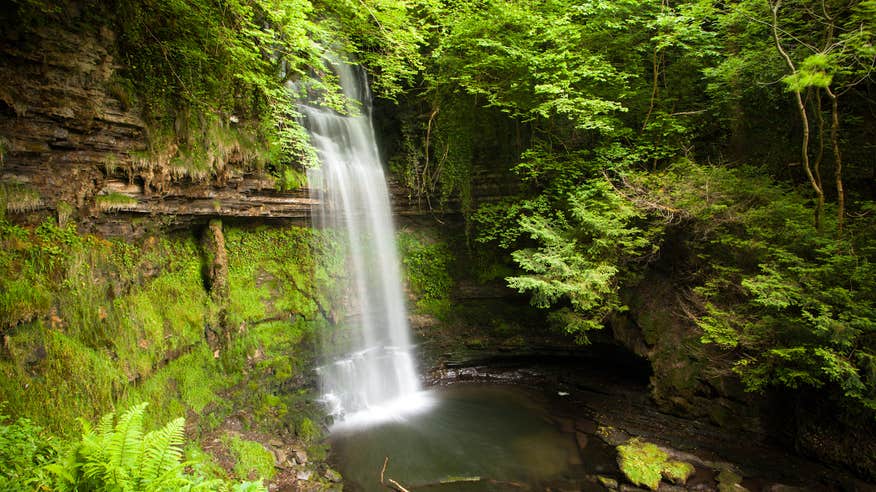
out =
column 377, row 379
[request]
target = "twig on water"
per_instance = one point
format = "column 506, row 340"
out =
column 392, row 483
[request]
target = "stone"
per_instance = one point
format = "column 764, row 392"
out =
column 607, row 482
column 300, row 456
column 303, row 475
column 280, row 458
column 612, row 436
column 666, row 487
column 729, row 477
column 629, row 488
column 332, row 475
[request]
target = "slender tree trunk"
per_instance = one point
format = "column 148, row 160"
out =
column 838, row 162
column 654, row 87
column 801, row 108
column 819, row 158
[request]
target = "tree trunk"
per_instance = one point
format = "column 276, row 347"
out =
column 801, row 108
column 838, row 163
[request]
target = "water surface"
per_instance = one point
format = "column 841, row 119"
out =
column 500, row 438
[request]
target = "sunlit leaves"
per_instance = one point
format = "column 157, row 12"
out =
column 579, row 256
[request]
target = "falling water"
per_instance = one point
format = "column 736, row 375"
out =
column 376, row 380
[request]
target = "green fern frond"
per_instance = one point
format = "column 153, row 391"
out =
column 125, row 446
column 104, row 428
column 162, row 452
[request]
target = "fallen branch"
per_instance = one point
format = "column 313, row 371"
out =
column 393, row 485
column 396, row 486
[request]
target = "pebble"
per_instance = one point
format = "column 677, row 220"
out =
column 300, row 456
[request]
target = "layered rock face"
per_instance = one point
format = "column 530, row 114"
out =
column 72, row 144
column 68, row 138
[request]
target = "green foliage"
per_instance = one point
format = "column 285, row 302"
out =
column 280, row 262
column 24, row 450
column 577, row 255
column 797, row 306
column 120, row 455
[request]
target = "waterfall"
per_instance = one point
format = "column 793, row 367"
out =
column 376, row 379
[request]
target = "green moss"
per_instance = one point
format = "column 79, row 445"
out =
column 56, row 379
column 427, row 271
column 643, row 463
column 114, row 201
column 677, row 472
column 21, row 301
column 291, row 178
column 92, row 323
column 252, row 460
column 188, row 383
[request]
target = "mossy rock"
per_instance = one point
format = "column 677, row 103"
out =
column 677, row 472
column 730, row 481
column 645, row 464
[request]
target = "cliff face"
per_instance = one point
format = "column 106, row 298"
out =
column 60, row 126
column 72, row 145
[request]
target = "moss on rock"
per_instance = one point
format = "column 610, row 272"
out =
column 645, row 464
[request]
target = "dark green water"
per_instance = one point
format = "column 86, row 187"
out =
column 498, row 437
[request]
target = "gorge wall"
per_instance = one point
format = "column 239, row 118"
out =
column 72, row 146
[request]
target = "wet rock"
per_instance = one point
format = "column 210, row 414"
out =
column 300, row 456
column 332, row 475
column 778, row 487
column 629, row 488
column 667, row 487
column 607, row 482
column 280, row 458
column 729, row 477
column 730, row 481
column 612, row 436
column 303, row 475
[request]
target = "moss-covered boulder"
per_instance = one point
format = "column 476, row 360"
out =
column 645, row 464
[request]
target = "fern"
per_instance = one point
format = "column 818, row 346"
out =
column 117, row 456
column 162, row 453
column 125, row 444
